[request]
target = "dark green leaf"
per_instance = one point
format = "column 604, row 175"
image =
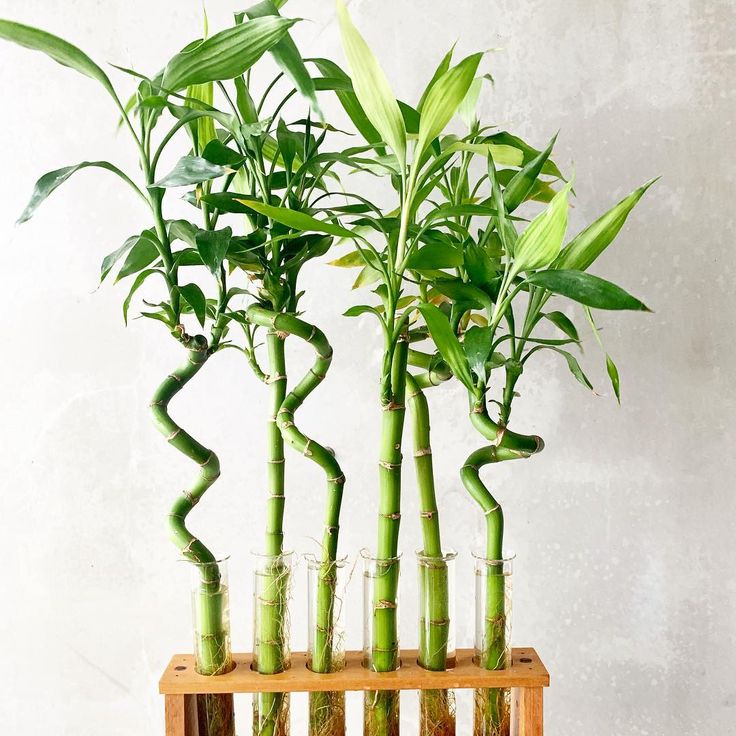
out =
column 145, row 251
column 447, row 344
column 564, row 323
column 464, row 293
column 482, row 270
column 613, row 375
column 298, row 220
column 523, row 182
column 184, row 231
column 587, row 289
column 287, row 56
column 529, row 153
column 193, row 296
column 212, row 246
column 54, row 179
column 217, row 153
column 139, row 279
column 112, row 258
column 360, row 309
column 228, row 202
column 190, row 170
column 435, row 255
column 226, row 54
column 58, row 49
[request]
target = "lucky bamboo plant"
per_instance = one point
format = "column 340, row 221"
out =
column 183, row 93
column 484, row 302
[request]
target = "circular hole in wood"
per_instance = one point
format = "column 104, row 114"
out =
column 180, row 668
column 525, row 660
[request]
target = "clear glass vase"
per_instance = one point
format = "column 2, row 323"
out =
column 212, row 652
column 492, row 706
column 436, row 639
column 326, row 589
column 271, row 650
column 381, row 642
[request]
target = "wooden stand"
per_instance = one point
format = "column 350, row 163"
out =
column 527, row 677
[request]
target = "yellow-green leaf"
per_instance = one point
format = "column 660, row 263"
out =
column 371, row 87
column 443, row 100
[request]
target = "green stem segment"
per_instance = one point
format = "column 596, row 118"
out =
column 281, row 324
column 437, row 713
column 491, row 712
column 213, row 648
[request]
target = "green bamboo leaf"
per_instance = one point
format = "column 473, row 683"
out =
column 482, row 269
column 345, row 92
column 112, row 258
column 184, row 231
column 613, row 375
column 564, row 323
column 227, row 54
column 144, row 252
column 139, row 279
column 540, row 243
column 193, row 296
column 443, row 67
column 503, row 155
column 463, row 293
column 372, row 88
column 435, row 255
column 218, row 153
column 298, row 220
column 574, row 367
column 349, row 260
column 59, row 50
column 528, row 153
column 191, row 170
column 212, row 246
column 443, row 100
column 287, row 56
column 360, row 309
column 367, row 276
column 48, row 183
column 447, row 344
column 587, row 289
column 468, row 107
column 585, row 247
column 523, row 182
column 228, row 202
column 477, row 345
column 203, row 130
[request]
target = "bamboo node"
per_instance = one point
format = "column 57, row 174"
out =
column 157, row 403
column 491, row 510
column 188, row 549
column 393, row 406
column 173, row 435
column 500, row 435
column 312, row 333
column 394, row 517
column 211, row 456
column 280, row 461
column 275, row 378
column 423, row 451
column 439, row 622
column 388, row 466
column 338, row 480
column 280, row 334
column 384, row 604
column 276, row 496
column 318, row 376
column 427, row 514
column 193, row 500
column 174, row 377
column 326, row 356
column 307, row 452
column 332, row 529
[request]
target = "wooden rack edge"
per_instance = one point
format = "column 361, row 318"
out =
column 526, row 671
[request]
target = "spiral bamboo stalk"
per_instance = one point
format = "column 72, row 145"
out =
column 213, row 651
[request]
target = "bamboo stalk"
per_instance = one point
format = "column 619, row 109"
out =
column 322, row 705
column 213, row 651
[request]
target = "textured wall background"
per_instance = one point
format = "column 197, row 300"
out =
column 623, row 527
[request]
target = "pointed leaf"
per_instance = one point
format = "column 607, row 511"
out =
column 59, row 50
column 287, row 56
column 447, row 344
column 139, row 279
column 112, row 258
column 191, row 170
column 219, row 154
column 349, row 260
column 585, row 247
column 477, row 345
column 145, row 251
column 468, row 107
column 523, row 182
column 564, row 323
column 367, row 276
column 360, row 309
column 587, row 289
column 212, row 246
column 540, row 243
column 226, row 54
column 54, row 179
column 298, row 220
column 443, row 100
column 194, row 297
column 464, row 293
column 443, row 67
column 372, row 88
column 435, row 255
column 613, row 375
